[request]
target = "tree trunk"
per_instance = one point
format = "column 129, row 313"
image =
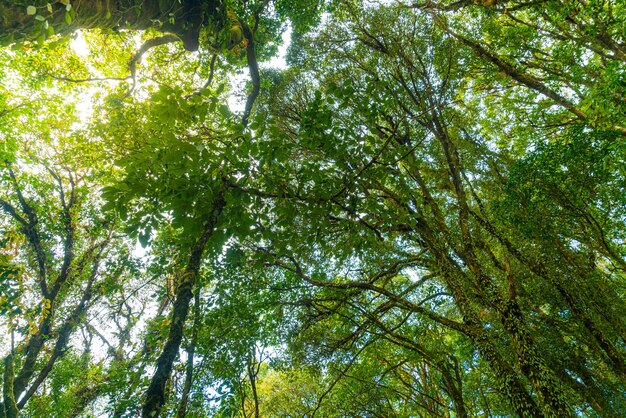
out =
column 9, row 407
column 33, row 348
column 453, row 384
column 253, row 370
column 547, row 386
column 155, row 395
column 65, row 333
column 184, row 399
column 183, row 18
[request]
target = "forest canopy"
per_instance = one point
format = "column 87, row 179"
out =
column 420, row 213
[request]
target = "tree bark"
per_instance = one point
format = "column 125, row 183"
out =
column 253, row 370
column 9, row 407
column 184, row 399
column 64, row 336
column 183, row 18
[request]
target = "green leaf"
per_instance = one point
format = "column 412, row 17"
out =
column 31, row 10
column 144, row 238
column 224, row 111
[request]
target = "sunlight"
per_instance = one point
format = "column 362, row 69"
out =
column 79, row 45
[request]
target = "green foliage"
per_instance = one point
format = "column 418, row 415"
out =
column 555, row 182
column 72, row 383
column 424, row 216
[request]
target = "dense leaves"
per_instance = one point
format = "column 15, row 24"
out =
column 422, row 215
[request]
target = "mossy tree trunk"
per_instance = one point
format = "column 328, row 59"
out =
column 183, row 18
column 155, row 395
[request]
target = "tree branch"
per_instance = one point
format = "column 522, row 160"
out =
column 253, row 67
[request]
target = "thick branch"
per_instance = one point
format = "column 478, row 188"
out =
column 253, row 67
column 183, row 18
column 9, row 407
column 406, row 304
column 523, row 78
column 184, row 400
column 145, row 47
column 32, row 234
column 63, row 337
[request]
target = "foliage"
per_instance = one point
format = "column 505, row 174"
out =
column 422, row 215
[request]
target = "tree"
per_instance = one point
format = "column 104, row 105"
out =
column 180, row 18
column 66, row 251
column 387, row 128
column 422, row 218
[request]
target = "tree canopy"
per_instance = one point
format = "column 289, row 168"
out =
column 421, row 213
